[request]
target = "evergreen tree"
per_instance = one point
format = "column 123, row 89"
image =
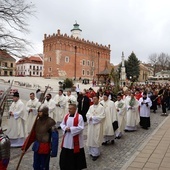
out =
column 115, row 77
column 132, row 67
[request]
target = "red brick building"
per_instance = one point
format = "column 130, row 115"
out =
column 73, row 57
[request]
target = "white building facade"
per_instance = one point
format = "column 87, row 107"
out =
column 30, row 66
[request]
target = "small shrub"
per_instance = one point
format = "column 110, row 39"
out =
column 68, row 83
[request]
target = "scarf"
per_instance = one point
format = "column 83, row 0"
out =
column 76, row 137
column 132, row 102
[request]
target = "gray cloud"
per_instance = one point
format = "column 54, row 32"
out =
column 141, row 26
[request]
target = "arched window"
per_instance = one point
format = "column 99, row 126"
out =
column 83, row 72
column 67, row 59
column 88, row 62
column 92, row 63
column 84, row 62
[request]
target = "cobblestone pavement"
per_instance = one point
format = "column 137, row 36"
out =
column 113, row 157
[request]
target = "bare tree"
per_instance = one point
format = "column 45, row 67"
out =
column 153, row 60
column 14, row 15
column 163, row 60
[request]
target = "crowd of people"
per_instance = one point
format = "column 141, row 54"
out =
column 107, row 115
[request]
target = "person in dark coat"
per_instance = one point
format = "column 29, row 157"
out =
column 154, row 99
column 83, row 105
column 164, row 95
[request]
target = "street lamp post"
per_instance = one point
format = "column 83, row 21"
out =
column 75, row 62
column 98, row 65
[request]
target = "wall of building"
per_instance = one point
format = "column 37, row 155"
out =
column 7, row 67
column 29, row 69
column 71, row 57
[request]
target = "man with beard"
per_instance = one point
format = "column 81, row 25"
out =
column 72, row 155
column 145, row 104
column 49, row 102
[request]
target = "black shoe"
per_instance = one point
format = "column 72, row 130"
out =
column 112, row 141
column 59, row 127
column 126, row 130
column 118, row 137
column 146, row 128
column 94, row 158
column 105, row 143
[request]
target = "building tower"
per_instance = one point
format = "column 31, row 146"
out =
column 123, row 72
column 76, row 31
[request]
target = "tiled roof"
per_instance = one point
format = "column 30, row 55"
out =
column 5, row 55
column 33, row 58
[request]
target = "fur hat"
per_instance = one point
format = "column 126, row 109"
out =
column 16, row 94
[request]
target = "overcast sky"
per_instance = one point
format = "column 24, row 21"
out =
column 142, row 26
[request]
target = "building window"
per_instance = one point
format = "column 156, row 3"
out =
column 88, row 62
column 30, row 66
column 6, row 64
column 11, row 64
column 33, row 73
column 49, row 69
column 67, row 59
column 92, row 63
column 37, row 73
column 88, row 73
column 83, row 72
column 49, row 59
column 92, row 73
column 84, row 63
column 33, row 67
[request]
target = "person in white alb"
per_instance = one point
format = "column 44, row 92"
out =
column 132, row 113
column 16, row 122
column 95, row 117
column 111, row 116
column 61, row 103
column 121, row 113
column 32, row 110
column 50, row 103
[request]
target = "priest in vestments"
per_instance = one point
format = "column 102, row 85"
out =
column 111, row 117
column 61, row 104
column 95, row 117
column 122, row 117
column 72, row 155
column 16, row 122
column 50, row 103
column 32, row 109
column 145, row 104
column 132, row 113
